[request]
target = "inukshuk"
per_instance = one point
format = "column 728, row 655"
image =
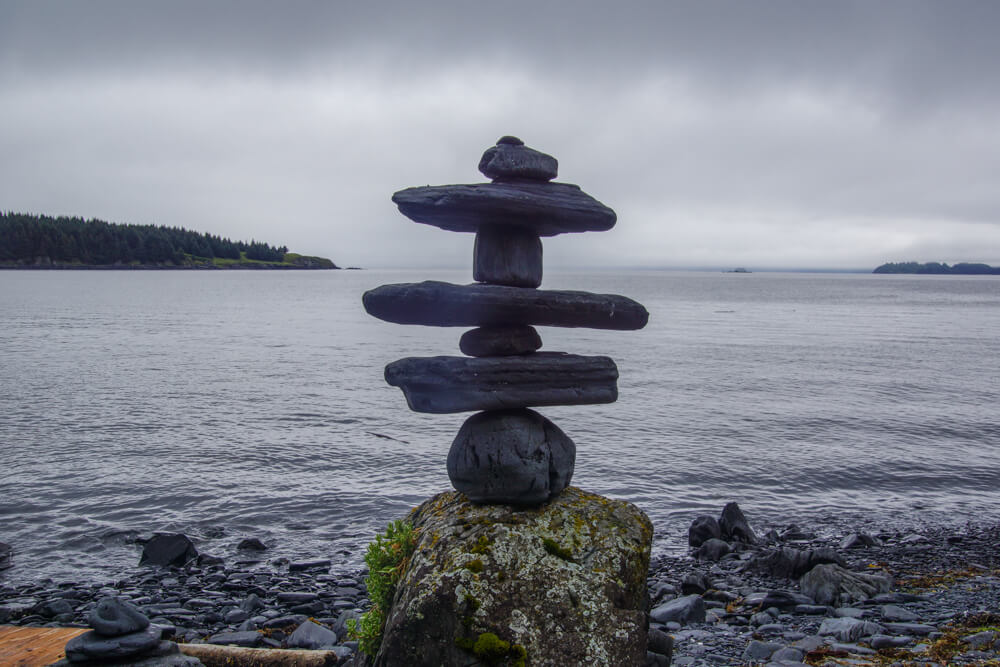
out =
column 506, row 453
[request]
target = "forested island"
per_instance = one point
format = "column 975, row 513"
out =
column 44, row 242
column 960, row 269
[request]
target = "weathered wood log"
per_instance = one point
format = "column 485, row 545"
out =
column 227, row 656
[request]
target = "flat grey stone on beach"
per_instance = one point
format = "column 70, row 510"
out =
column 112, row 617
column 546, row 209
column 510, row 456
column 507, row 255
column 467, row 384
column 500, row 341
column 434, row 303
column 683, row 610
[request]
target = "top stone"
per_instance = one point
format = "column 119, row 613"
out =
column 510, row 160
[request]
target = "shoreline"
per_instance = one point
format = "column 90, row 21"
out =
column 941, row 576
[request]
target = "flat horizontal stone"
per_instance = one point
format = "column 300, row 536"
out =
column 546, row 209
column 465, row 384
column 441, row 304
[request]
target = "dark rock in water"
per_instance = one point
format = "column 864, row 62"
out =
column 500, row 341
column 734, row 525
column 546, row 209
column 511, row 161
column 563, row 584
column 252, row 544
column 168, row 550
column 660, row 642
column 312, row 636
column 507, row 255
column 464, row 384
column 702, row 529
column 92, row 646
column 713, row 549
column 683, row 610
column 6, row 556
column 793, row 563
column 510, row 456
column 833, row 585
column 434, row 303
column 112, row 617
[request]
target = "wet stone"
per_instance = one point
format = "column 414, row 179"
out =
column 499, row 341
column 92, row 646
column 112, row 617
column 507, row 255
column 513, row 456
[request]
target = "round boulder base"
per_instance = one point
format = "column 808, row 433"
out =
column 515, row 457
column 500, row 341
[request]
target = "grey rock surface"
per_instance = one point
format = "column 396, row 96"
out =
column 507, row 255
column 546, row 209
column 92, row 646
column 702, row 529
column 734, row 525
column 832, row 584
column 500, row 341
column 435, row 303
column 113, row 616
column 312, row 636
column 467, row 384
column 683, row 610
column 511, row 456
column 510, row 159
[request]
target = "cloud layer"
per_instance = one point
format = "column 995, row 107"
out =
column 834, row 135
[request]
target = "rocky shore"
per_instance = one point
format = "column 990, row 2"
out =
column 933, row 598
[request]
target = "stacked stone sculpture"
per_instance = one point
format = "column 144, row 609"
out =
column 506, row 453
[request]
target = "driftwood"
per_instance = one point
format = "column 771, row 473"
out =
column 236, row 656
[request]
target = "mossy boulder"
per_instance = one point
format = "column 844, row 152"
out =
column 563, row 583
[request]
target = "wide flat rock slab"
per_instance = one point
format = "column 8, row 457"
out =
column 546, row 209
column 464, row 384
column 435, row 303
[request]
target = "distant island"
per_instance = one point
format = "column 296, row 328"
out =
column 960, row 269
column 42, row 242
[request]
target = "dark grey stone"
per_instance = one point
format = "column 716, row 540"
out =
column 302, row 566
column 513, row 161
column 702, row 529
column 858, row 541
column 441, row 304
column 793, row 563
column 788, row 654
column 251, row 603
column 784, row 599
column 695, row 582
column 895, row 613
column 918, row 629
column 758, row 651
column 885, row 641
column 93, row 646
column 507, row 255
column 734, row 525
column 464, row 384
column 713, row 549
column 113, row 616
column 168, row 550
column 340, row 627
column 500, row 341
column 683, row 610
column 512, row 456
column 252, row 544
column 660, row 642
column 245, row 639
column 312, row 636
column 848, row 629
column 545, row 208
column 296, row 597
column 831, row 584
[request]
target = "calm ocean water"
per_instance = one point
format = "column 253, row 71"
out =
column 234, row 404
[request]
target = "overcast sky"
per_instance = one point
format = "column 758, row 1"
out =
column 758, row 134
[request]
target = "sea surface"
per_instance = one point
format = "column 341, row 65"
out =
column 234, row 404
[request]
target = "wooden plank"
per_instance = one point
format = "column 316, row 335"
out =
column 34, row 647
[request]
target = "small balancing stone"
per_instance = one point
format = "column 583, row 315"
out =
column 510, row 456
column 441, row 304
column 502, row 341
column 465, row 384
